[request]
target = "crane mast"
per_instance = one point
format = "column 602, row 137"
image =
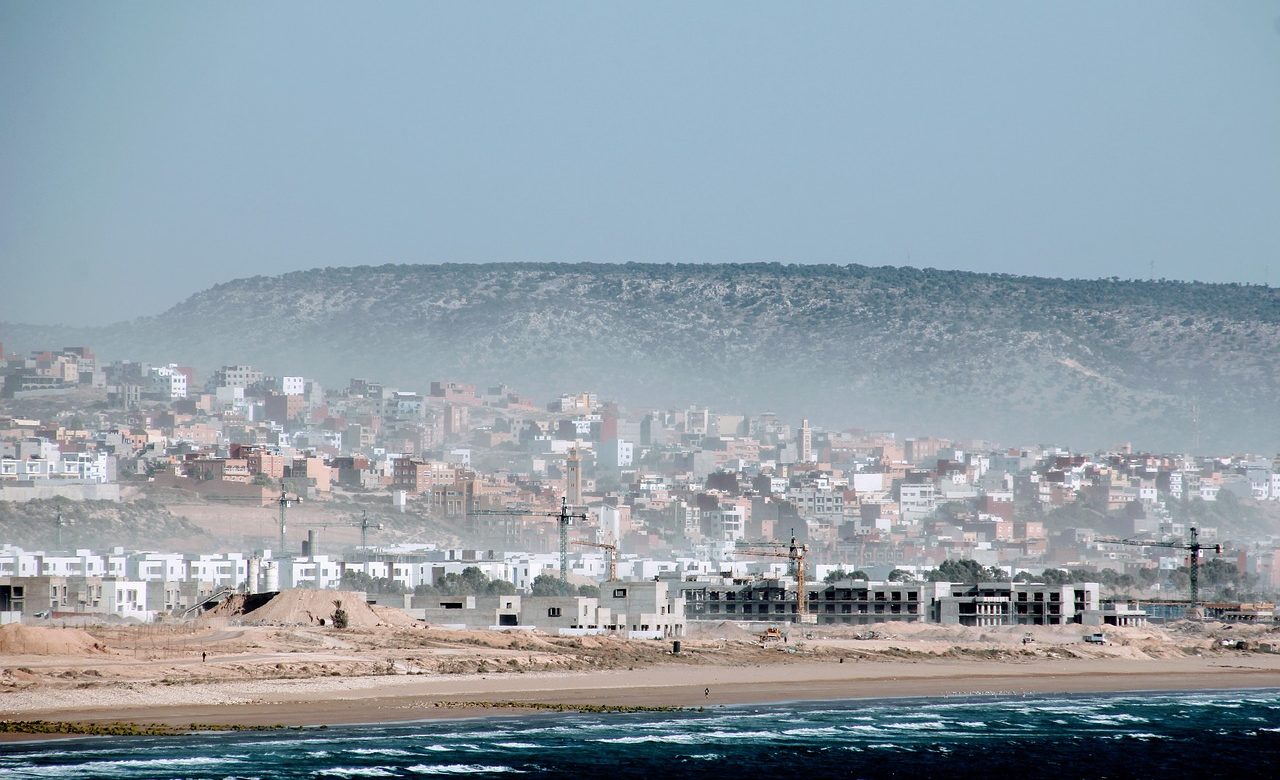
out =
column 795, row 554
column 564, row 517
column 1193, row 547
column 285, row 502
column 363, row 524
column 611, row 551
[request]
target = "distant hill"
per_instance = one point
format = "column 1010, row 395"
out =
column 1015, row 359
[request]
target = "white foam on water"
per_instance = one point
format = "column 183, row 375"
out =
column 379, row 752
column 1111, row 720
column 459, row 769
column 121, row 766
column 816, row 731
column 360, row 771
column 670, row 739
column 523, row 746
column 933, row 725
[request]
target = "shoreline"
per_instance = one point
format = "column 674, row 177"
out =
column 368, row 701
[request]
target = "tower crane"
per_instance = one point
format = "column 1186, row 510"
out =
column 1193, row 560
column 795, row 553
column 363, row 524
column 611, row 551
column 285, row 502
column 564, row 517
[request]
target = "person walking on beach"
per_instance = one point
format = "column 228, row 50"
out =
column 203, row 656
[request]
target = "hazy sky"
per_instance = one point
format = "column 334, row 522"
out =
column 149, row 150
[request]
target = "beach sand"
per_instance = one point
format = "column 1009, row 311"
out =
column 325, row 677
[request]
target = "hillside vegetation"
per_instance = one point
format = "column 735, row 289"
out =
column 1015, row 359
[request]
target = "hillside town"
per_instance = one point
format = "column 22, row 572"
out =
column 480, row 506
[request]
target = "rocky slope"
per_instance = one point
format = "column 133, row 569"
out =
column 33, row 525
column 1018, row 359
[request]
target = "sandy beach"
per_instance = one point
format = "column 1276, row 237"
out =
column 290, row 675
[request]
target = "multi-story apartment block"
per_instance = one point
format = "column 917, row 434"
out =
column 419, row 476
column 236, row 376
column 916, row 501
column 168, row 382
column 862, row 602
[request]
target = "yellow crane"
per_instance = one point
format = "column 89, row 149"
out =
column 793, row 552
column 611, row 551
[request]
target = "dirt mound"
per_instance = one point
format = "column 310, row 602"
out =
column 723, row 629
column 303, row 607
column 17, row 639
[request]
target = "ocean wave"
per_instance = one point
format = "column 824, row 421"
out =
column 460, row 769
column 1113, row 719
column 120, row 766
column 359, row 771
column 932, row 725
column 671, row 739
column 378, row 752
column 812, row 731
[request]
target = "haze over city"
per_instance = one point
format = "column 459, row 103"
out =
column 576, row 389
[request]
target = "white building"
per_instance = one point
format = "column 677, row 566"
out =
column 916, row 502
column 168, row 381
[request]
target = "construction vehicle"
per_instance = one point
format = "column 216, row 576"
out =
column 795, row 555
column 611, row 557
column 564, row 516
column 771, row 634
column 1096, row 638
column 1193, row 547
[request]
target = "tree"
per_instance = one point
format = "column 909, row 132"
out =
column 967, row 571
column 339, row 615
column 549, row 585
column 898, row 575
column 358, row 580
column 841, row 574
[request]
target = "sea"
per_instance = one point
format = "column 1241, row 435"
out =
column 1170, row 735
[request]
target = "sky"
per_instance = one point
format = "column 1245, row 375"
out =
column 150, row 150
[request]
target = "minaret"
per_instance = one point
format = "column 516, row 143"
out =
column 806, row 442
column 573, row 478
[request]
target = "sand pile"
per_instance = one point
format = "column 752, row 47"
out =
column 17, row 639
column 724, row 629
column 303, row 607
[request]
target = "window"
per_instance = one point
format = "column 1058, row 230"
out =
column 553, row 612
column 619, row 593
